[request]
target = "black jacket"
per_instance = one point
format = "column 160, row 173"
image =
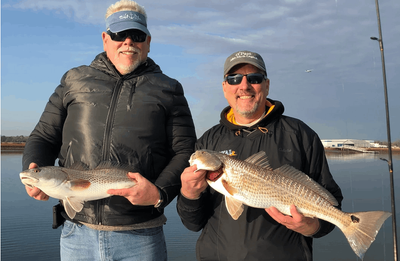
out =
column 141, row 119
column 255, row 235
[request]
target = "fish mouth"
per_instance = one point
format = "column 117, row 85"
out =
column 214, row 175
column 205, row 160
column 28, row 181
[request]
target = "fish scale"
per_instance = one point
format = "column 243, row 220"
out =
column 263, row 189
column 101, row 177
column 254, row 183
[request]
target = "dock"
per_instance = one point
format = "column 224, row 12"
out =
column 358, row 149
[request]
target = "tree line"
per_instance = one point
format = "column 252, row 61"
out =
column 18, row 139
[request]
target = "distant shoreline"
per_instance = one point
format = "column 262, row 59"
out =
column 12, row 145
column 19, row 147
column 379, row 150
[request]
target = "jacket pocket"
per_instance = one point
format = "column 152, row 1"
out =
column 149, row 166
column 130, row 99
column 69, row 158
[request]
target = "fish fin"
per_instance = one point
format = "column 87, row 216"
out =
column 68, row 209
column 79, row 184
column 231, row 190
column 260, row 159
column 113, row 165
column 235, row 207
column 76, row 205
column 363, row 229
column 303, row 179
column 79, row 166
column 105, row 165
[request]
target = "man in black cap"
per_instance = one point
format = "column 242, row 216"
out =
column 253, row 123
column 121, row 109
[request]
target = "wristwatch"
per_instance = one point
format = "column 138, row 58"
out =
column 160, row 200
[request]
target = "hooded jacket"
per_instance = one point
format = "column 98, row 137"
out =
column 140, row 119
column 255, row 235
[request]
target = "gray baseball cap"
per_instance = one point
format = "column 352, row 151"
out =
column 125, row 20
column 244, row 57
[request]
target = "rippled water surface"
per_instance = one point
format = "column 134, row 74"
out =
column 26, row 232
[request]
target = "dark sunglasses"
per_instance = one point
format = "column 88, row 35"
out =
column 252, row 78
column 136, row 35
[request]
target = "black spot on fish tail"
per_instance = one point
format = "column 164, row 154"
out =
column 355, row 219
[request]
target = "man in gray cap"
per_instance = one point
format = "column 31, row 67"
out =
column 250, row 124
column 122, row 110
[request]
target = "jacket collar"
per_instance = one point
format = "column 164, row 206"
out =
column 102, row 63
column 274, row 110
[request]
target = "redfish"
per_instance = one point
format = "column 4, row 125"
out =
column 254, row 183
column 73, row 186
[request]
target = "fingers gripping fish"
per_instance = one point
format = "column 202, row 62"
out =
column 254, row 183
column 73, row 186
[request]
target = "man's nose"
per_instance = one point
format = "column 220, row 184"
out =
column 244, row 84
column 128, row 40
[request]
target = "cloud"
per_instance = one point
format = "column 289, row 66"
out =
column 332, row 37
column 87, row 12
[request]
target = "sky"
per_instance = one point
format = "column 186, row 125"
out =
column 341, row 98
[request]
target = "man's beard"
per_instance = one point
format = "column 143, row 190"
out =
column 248, row 113
column 130, row 68
column 245, row 111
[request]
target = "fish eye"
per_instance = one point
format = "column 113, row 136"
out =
column 36, row 170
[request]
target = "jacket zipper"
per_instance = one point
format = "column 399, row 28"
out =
column 107, row 138
column 110, row 120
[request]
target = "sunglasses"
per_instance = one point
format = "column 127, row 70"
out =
column 136, row 35
column 252, row 78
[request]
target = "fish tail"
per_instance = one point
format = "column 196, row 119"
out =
column 363, row 229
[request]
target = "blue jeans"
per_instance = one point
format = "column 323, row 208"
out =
column 79, row 242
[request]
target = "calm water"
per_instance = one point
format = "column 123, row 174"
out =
column 26, row 232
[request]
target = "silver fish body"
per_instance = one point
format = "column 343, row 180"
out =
column 254, row 183
column 74, row 186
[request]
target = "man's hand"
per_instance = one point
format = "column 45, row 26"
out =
column 193, row 183
column 297, row 222
column 35, row 192
column 144, row 193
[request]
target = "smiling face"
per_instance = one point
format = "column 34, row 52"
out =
column 247, row 100
column 127, row 55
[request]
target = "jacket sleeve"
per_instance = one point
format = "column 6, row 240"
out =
column 319, row 171
column 44, row 143
column 194, row 214
column 181, row 139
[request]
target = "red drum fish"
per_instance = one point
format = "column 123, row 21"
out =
column 75, row 185
column 254, row 183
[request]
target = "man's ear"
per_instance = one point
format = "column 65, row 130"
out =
column 105, row 38
column 267, row 87
column 148, row 41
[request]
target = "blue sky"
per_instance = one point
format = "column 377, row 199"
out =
column 341, row 98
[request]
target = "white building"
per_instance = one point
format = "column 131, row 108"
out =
column 340, row 143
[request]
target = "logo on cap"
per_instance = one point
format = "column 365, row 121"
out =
column 130, row 16
column 244, row 55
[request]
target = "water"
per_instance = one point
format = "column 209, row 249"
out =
column 26, row 232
